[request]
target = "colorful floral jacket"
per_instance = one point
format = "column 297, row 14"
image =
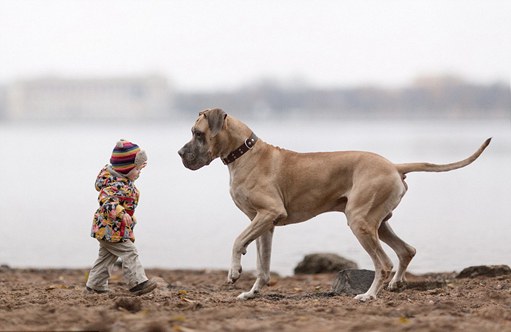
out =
column 117, row 196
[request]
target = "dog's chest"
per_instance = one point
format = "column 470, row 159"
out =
column 241, row 198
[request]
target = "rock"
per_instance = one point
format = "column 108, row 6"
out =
column 323, row 263
column 132, row 304
column 484, row 270
column 352, row 281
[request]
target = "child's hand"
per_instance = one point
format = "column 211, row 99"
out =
column 126, row 218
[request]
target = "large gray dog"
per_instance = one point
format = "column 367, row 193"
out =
column 276, row 187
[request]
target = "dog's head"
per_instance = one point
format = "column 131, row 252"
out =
column 202, row 149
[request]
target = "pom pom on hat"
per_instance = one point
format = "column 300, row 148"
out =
column 126, row 156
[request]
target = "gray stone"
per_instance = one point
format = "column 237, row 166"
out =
column 352, row 281
column 132, row 304
column 323, row 263
column 484, row 270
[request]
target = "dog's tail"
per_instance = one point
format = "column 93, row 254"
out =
column 428, row 167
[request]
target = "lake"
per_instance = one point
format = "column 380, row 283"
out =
column 187, row 219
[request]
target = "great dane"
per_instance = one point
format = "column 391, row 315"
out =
column 276, row 187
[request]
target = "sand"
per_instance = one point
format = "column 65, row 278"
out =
column 54, row 299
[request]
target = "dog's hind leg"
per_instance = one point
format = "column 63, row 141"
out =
column 263, row 244
column 366, row 210
column 368, row 238
column 404, row 251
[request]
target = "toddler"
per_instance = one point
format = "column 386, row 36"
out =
column 114, row 221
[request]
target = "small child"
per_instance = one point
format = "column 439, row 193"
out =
column 114, row 221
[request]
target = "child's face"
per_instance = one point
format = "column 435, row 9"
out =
column 135, row 173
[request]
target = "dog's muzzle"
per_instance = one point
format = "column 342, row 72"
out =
column 192, row 160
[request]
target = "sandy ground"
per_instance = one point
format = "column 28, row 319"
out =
column 47, row 300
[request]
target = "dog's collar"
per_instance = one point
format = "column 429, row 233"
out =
column 241, row 150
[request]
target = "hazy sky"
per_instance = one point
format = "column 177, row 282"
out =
column 222, row 44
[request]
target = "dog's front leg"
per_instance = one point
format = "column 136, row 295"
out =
column 262, row 223
column 263, row 265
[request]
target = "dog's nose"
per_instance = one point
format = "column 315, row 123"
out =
column 181, row 152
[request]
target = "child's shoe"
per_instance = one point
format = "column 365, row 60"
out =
column 89, row 290
column 144, row 287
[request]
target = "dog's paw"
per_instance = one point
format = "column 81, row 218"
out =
column 365, row 297
column 247, row 296
column 397, row 286
column 234, row 274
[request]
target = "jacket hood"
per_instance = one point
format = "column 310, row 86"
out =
column 108, row 177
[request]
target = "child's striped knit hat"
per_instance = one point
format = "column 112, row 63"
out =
column 126, row 156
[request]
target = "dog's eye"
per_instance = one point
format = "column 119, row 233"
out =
column 199, row 135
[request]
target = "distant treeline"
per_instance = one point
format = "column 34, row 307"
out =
column 444, row 96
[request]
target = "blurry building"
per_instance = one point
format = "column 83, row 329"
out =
column 145, row 97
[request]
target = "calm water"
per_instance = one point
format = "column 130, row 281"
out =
column 187, row 219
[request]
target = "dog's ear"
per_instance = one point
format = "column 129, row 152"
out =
column 216, row 118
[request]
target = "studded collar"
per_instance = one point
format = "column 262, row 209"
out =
column 241, row 150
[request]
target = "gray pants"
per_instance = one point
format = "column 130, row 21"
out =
column 108, row 254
